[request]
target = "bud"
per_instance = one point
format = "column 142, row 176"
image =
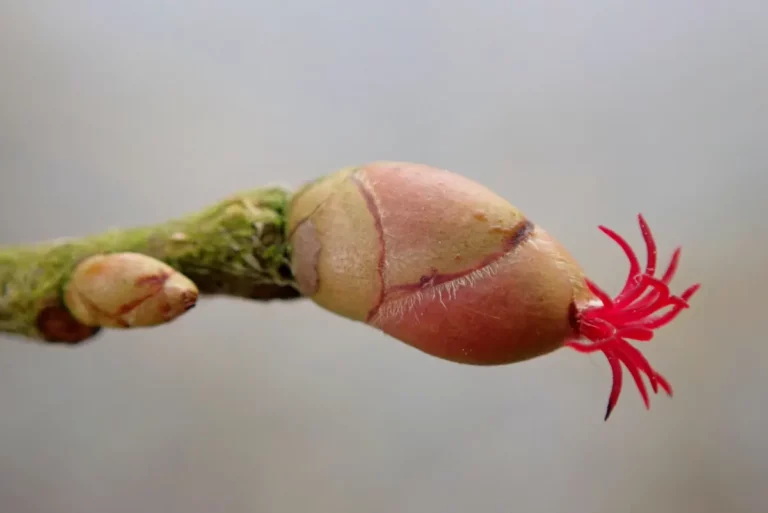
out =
column 126, row 290
column 435, row 260
column 450, row 268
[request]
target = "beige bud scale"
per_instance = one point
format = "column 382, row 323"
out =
column 127, row 290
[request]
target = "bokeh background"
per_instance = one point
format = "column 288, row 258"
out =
column 129, row 112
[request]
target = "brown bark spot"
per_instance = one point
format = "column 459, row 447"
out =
column 57, row 325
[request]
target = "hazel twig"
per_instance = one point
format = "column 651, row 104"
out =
column 236, row 247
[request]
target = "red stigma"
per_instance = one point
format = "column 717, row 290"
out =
column 633, row 314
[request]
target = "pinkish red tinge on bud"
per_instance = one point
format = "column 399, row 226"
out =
column 450, row 268
column 633, row 314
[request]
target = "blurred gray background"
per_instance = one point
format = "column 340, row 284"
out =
column 580, row 113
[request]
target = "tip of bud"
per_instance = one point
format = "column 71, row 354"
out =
column 126, row 290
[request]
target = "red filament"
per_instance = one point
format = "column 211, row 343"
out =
column 633, row 314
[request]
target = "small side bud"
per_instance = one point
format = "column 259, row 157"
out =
column 127, row 290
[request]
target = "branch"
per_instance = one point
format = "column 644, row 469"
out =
column 236, row 247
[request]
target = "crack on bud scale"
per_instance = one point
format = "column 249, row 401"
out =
column 515, row 236
column 373, row 208
column 448, row 283
column 402, row 299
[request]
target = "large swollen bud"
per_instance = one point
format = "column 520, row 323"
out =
column 450, row 268
column 435, row 260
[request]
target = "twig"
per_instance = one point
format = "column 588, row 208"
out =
column 236, row 247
